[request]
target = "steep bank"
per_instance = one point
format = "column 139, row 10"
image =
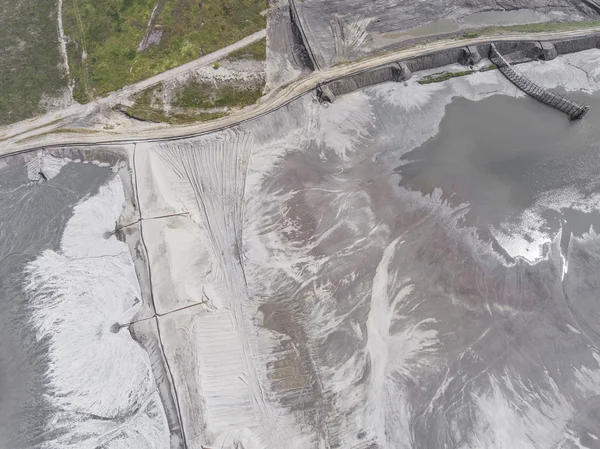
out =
column 513, row 51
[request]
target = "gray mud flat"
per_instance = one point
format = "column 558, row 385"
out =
column 33, row 219
column 341, row 30
column 359, row 278
column 409, row 267
column 70, row 376
column 438, row 341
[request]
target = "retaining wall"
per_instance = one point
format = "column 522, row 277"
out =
column 577, row 44
column 301, row 39
column 436, row 59
column 389, row 72
column 513, row 52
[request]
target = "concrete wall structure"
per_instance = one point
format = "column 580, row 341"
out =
column 390, row 72
column 470, row 55
column 435, row 59
column 512, row 51
column 577, row 44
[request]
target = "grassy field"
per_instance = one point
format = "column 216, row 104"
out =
column 256, row 51
column 149, row 114
column 204, row 95
column 110, row 31
column 198, row 100
column 195, row 101
column 148, row 107
column 29, row 57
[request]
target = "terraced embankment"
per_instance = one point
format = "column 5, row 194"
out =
column 511, row 51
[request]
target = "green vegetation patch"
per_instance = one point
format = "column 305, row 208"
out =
column 29, row 58
column 109, row 32
column 489, row 67
column 257, row 51
column 470, row 35
column 551, row 27
column 445, row 76
column 196, row 101
column 204, row 95
column 149, row 114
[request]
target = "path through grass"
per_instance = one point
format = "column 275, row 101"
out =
column 110, row 31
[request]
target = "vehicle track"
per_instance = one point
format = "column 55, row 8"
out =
column 273, row 101
column 86, row 84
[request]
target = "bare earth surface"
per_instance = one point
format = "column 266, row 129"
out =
column 342, row 30
column 377, row 312
column 413, row 266
column 23, row 135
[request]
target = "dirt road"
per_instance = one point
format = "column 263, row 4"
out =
column 42, row 124
column 269, row 103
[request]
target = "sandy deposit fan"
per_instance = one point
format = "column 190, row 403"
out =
column 211, row 185
column 348, row 36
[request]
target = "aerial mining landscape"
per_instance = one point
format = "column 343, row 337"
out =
column 299, row 224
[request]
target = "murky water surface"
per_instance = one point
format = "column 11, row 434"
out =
column 503, row 154
column 434, row 330
column 436, row 27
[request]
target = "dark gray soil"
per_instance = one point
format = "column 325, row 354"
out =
column 338, row 30
column 33, row 218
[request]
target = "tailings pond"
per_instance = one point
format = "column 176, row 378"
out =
column 507, row 157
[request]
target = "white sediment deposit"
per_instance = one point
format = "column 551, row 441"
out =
column 102, row 390
column 219, row 381
column 331, row 276
column 333, row 306
column 44, row 166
